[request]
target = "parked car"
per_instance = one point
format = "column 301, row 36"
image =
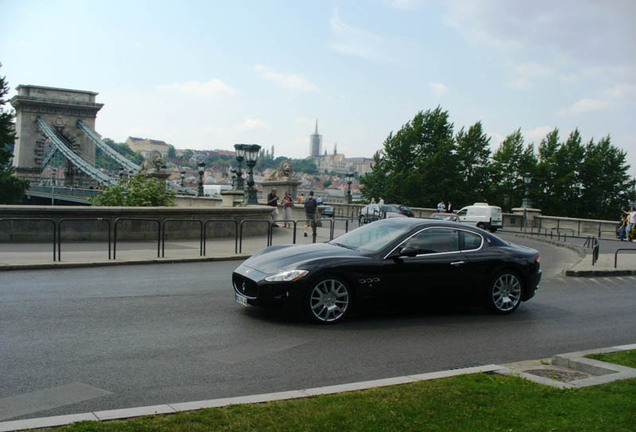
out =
column 374, row 212
column 444, row 216
column 393, row 259
column 482, row 215
column 405, row 210
column 326, row 211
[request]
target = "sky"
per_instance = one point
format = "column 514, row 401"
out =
column 209, row 74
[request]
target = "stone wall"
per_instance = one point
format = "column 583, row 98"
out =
column 36, row 223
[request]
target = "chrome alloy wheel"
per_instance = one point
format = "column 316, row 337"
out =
column 329, row 300
column 506, row 293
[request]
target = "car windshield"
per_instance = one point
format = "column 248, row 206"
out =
column 370, row 238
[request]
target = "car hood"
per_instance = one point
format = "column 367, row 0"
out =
column 275, row 259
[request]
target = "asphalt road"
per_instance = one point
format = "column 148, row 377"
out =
column 79, row 340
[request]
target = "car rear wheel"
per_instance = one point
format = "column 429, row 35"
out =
column 504, row 294
column 328, row 300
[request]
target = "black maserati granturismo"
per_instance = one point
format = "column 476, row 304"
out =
column 397, row 258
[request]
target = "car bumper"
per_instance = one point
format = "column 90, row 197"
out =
column 533, row 285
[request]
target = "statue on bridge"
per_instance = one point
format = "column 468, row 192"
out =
column 283, row 172
column 152, row 164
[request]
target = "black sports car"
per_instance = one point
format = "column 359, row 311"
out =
column 398, row 258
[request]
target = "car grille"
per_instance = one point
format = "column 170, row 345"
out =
column 245, row 286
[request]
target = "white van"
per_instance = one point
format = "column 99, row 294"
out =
column 483, row 215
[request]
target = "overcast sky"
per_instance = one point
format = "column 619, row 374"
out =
column 209, row 74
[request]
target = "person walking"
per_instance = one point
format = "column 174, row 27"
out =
column 631, row 220
column 272, row 201
column 287, row 206
column 449, row 207
column 310, row 212
column 622, row 228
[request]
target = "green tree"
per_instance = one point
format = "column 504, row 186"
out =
column 473, row 153
column 418, row 165
column 511, row 160
column 605, row 184
column 137, row 191
column 11, row 188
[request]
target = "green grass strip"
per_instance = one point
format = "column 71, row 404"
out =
column 623, row 358
column 479, row 402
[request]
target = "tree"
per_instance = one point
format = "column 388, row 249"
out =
column 11, row 188
column 418, row 165
column 473, row 153
column 605, row 184
column 137, row 191
column 511, row 160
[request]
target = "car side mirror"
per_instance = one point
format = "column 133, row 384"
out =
column 409, row 251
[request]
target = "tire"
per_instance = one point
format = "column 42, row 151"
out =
column 481, row 225
column 328, row 300
column 504, row 293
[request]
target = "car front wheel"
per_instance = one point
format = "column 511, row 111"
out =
column 504, row 294
column 328, row 300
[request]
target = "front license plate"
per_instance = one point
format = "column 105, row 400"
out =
column 240, row 299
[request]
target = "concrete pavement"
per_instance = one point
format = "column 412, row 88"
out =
column 27, row 256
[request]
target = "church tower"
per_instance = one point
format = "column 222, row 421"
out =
column 315, row 143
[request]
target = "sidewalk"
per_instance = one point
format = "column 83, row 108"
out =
column 28, row 256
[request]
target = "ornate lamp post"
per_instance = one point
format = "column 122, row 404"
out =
column 240, row 155
column 182, row 175
column 201, row 168
column 53, row 175
column 349, row 177
column 251, row 156
column 527, row 180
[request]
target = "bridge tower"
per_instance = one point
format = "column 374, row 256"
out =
column 61, row 109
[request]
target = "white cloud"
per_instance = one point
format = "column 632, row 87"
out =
column 405, row 4
column 537, row 134
column 584, row 106
column 252, row 124
column 286, row 80
column 521, row 83
column 349, row 40
column 438, row 89
column 213, row 87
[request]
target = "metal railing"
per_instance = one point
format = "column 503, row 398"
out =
column 115, row 230
column 621, row 250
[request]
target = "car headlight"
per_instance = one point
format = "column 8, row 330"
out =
column 287, row 276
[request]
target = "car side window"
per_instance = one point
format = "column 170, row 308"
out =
column 470, row 241
column 434, row 240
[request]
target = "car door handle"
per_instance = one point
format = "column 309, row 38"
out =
column 457, row 263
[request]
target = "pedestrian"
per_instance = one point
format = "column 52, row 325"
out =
column 301, row 198
column 310, row 212
column 441, row 207
column 622, row 228
column 287, row 206
column 631, row 220
column 449, row 207
column 381, row 201
column 272, row 200
column 319, row 200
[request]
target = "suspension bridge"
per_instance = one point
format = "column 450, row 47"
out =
column 56, row 145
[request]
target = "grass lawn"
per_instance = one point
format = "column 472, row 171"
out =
column 480, row 402
column 623, row 358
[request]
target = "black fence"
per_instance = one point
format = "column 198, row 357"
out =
column 115, row 234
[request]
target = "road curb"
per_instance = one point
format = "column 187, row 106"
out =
column 606, row 372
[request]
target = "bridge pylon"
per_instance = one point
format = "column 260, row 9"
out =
column 61, row 109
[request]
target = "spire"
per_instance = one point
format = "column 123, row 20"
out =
column 316, row 127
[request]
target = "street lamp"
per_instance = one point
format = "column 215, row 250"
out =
column 240, row 155
column 527, row 179
column 251, row 156
column 53, row 175
column 349, row 177
column 182, row 175
column 201, row 168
